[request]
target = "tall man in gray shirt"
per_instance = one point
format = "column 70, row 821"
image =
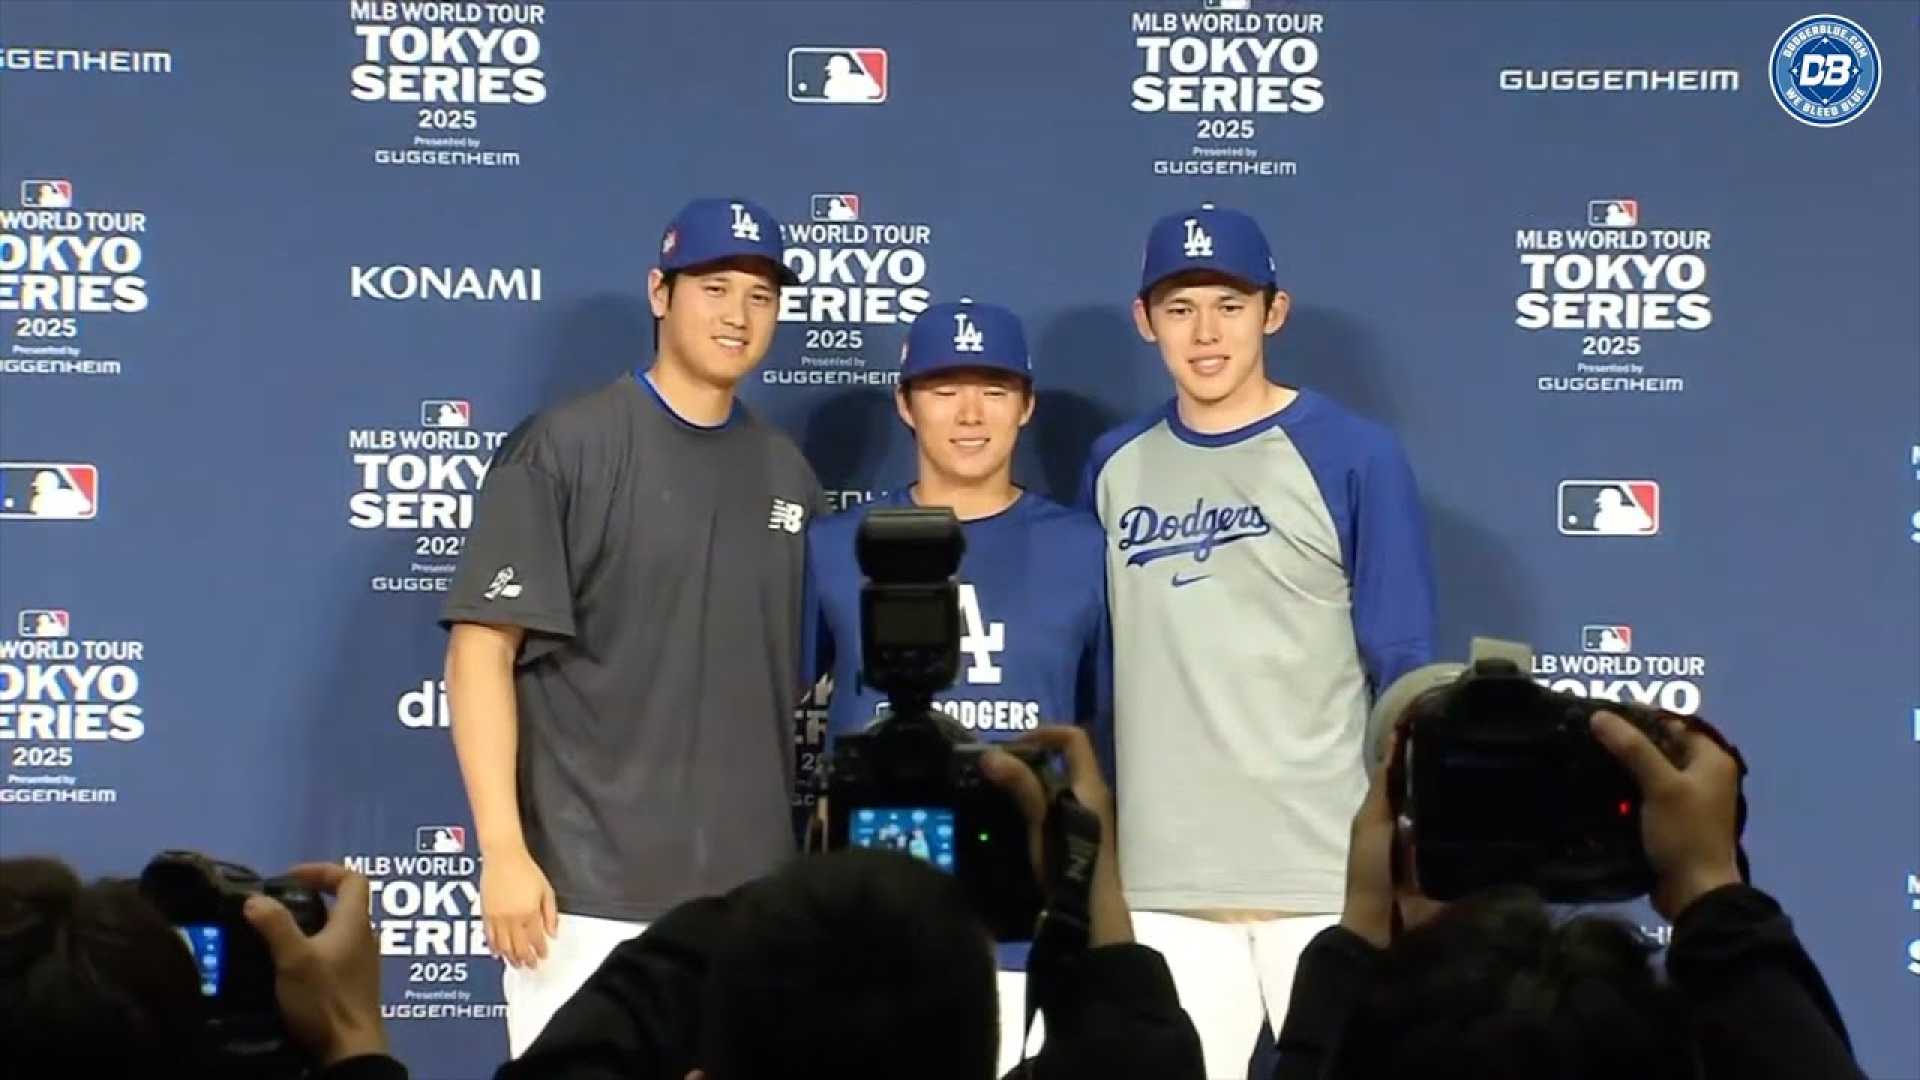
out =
column 624, row 645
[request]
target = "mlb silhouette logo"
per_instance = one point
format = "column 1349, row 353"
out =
column 1613, row 213
column 1229, row 5
column 836, row 206
column 1609, row 507
column 46, row 194
column 837, row 76
column 446, row 413
column 45, row 623
column 440, row 839
column 49, row 490
column 1607, row 638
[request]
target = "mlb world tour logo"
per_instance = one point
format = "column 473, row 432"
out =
column 855, row 272
column 461, row 63
column 1228, row 62
column 72, row 261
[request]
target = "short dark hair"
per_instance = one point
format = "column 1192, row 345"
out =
column 94, row 981
column 1493, row 989
column 859, row 965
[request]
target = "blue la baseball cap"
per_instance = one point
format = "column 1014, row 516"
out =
column 708, row 230
column 965, row 335
column 1209, row 238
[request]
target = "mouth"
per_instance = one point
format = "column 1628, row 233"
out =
column 970, row 445
column 731, row 344
column 1208, row 366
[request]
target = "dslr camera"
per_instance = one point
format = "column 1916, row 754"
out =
column 203, row 898
column 911, row 781
column 1497, row 780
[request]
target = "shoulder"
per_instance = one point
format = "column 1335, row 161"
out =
column 1070, row 527
column 561, row 430
column 1332, row 429
column 1116, row 439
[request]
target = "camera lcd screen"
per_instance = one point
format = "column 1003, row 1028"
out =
column 913, row 622
column 207, row 943
column 924, row 832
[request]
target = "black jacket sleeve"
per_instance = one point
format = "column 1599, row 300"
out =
column 1113, row 1015
column 364, row 1067
column 637, row 1016
column 1335, row 969
column 1760, row 1008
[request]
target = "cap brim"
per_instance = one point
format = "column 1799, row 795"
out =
column 1201, row 269
column 782, row 271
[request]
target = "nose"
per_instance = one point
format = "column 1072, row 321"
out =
column 1206, row 327
column 970, row 411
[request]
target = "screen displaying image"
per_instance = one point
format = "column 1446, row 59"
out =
column 205, row 942
column 924, row 832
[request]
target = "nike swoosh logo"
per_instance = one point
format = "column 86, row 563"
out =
column 1180, row 582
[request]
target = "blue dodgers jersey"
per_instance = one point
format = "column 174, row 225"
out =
column 1033, row 611
column 1034, row 645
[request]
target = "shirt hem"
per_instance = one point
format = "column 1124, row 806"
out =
column 619, row 911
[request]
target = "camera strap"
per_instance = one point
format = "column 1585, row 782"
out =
column 1070, row 854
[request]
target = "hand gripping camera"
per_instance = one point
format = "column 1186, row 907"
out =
column 912, row 780
column 203, row 899
column 1497, row 780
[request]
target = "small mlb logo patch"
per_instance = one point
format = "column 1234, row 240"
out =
column 1609, row 507
column 49, row 490
column 1613, row 213
column 440, row 839
column 1606, row 639
column 836, row 206
column 837, row 76
column 45, row 623
column 446, row 413
column 46, row 194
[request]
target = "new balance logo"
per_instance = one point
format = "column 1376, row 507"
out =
column 1199, row 244
column 744, row 227
column 966, row 336
column 786, row 516
column 503, row 585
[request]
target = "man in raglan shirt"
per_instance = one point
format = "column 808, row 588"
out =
column 1033, row 645
column 626, row 629
column 1268, row 571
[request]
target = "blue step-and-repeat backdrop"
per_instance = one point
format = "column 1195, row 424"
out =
column 277, row 277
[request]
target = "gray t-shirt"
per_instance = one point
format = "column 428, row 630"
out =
column 658, row 569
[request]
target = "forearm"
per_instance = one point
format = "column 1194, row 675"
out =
column 486, row 736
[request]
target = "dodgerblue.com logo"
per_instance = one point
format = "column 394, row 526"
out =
column 1825, row 70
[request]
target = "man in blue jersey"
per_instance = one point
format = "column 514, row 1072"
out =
column 1268, row 571
column 1033, row 646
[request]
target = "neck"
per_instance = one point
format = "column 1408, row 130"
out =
column 693, row 399
column 970, row 500
column 1255, row 399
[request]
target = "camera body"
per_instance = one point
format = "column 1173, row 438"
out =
column 203, row 898
column 912, row 780
column 1497, row 780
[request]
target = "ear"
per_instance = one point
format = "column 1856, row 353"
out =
column 1140, row 320
column 1033, row 398
column 658, row 292
column 900, row 405
column 1277, row 311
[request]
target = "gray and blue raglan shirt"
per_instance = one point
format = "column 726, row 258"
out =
column 1265, row 583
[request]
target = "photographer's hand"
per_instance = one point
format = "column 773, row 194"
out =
column 1107, row 905
column 328, row 985
column 1688, row 813
column 1371, row 895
